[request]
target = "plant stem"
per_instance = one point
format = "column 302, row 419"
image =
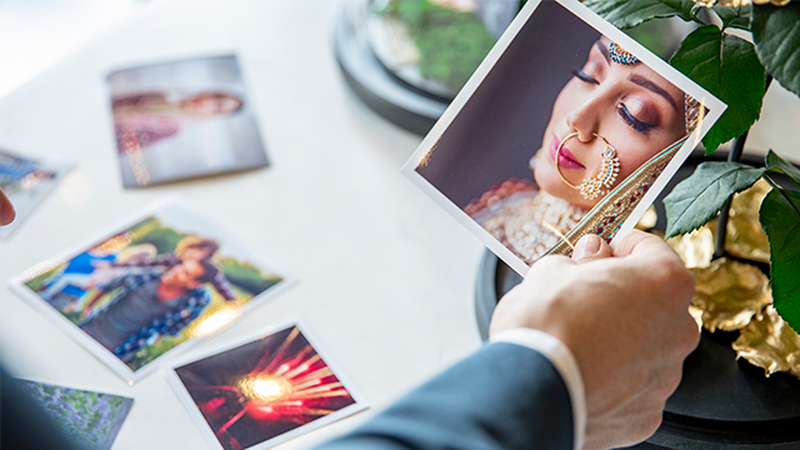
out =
column 722, row 220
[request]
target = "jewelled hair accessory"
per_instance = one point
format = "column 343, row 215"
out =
column 598, row 185
column 621, row 56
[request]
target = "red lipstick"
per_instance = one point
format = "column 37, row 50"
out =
column 565, row 159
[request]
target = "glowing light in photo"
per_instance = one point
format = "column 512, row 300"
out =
column 214, row 322
column 287, row 385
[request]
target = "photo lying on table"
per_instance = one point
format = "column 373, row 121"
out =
column 264, row 390
column 26, row 182
column 183, row 119
column 560, row 134
column 148, row 286
column 91, row 419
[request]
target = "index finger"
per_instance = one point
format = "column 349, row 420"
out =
column 639, row 242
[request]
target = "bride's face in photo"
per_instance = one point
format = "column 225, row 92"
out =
column 638, row 111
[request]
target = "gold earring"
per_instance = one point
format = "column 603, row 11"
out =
column 601, row 183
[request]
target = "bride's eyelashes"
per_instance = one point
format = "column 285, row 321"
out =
column 632, row 121
column 583, row 76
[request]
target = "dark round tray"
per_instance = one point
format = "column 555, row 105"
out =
column 721, row 403
column 394, row 99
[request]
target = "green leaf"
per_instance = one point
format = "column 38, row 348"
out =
column 728, row 67
column 776, row 32
column 734, row 17
column 627, row 14
column 695, row 200
column 775, row 163
column 780, row 217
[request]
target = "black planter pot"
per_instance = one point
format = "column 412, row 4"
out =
column 721, row 403
column 397, row 101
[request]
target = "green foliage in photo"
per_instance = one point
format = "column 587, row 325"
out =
column 247, row 276
column 451, row 43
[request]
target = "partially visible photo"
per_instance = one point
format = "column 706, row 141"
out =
column 263, row 392
column 183, row 119
column 91, row 419
column 142, row 291
column 26, row 182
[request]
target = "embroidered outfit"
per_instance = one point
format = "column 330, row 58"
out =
column 526, row 222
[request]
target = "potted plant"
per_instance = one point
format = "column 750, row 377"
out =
column 738, row 72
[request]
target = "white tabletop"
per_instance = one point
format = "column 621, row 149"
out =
column 386, row 277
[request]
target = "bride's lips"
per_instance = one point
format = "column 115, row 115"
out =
column 565, row 159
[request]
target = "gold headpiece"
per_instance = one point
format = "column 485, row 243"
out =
column 693, row 112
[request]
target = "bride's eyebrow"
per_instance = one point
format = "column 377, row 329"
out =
column 652, row 87
column 603, row 49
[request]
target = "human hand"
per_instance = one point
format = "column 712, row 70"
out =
column 7, row 212
column 624, row 315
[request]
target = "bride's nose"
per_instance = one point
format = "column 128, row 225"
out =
column 585, row 117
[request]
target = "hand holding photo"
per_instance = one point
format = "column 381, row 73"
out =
column 26, row 182
column 91, row 419
column 558, row 135
column 183, row 119
column 264, row 391
column 135, row 295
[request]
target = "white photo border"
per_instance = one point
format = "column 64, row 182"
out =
column 17, row 285
column 197, row 416
column 671, row 74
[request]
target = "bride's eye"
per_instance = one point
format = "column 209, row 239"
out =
column 632, row 121
column 583, row 76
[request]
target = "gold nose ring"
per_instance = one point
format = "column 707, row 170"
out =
column 601, row 183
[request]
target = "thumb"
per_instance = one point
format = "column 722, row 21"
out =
column 591, row 247
column 6, row 210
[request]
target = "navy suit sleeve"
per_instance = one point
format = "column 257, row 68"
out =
column 25, row 424
column 504, row 396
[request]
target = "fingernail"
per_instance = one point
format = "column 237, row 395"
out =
column 587, row 246
column 7, row 215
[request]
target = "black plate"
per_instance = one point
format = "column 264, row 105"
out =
column 721, row 403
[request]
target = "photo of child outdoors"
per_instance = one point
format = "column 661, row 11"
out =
column 152, row 286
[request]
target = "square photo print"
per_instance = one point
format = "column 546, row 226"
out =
column 560, row 134
column 264, row 390
column 91, row 419
column 183, row 119
column 26, row 182
column 150, row 285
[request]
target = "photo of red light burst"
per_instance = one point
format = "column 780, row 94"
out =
column 261, row 393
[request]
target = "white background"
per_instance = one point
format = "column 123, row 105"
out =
column 386, row 276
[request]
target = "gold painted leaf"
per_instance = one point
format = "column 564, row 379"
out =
column 746, row 238
column 770, row 343
column 729, row 293
column 696, row 248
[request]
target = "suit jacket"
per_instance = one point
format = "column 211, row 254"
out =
column 24, row 423
column 504, row 396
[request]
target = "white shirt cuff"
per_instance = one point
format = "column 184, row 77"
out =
column 563, row 360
